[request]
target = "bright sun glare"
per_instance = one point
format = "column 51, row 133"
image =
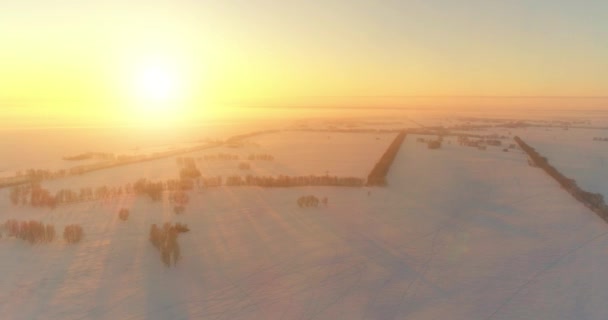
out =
column 157, row 83
column 157, row 90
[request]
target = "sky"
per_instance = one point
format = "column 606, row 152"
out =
column 112, row 60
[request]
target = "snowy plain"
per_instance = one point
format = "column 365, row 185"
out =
column 295, row 154
column 458, row 233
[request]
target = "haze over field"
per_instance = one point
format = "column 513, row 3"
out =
column 303, row 159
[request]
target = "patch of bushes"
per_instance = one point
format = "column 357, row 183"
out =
column 261, row 156
column 179, row 209
column 181, row 228
column 179, row 197
column 73, row 233
column 153, row 189
column 123, row 214
column 244, row 166
column 311, row 201
column 220, row 156
column 30, row 231
column 165, row 241
column 434, row 144
column 188, row 168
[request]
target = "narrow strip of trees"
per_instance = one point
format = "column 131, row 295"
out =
column 31, row 231
column 593, row 201
column 37, row 196
column 36, row 232
column 289, row 181
column 377, row 177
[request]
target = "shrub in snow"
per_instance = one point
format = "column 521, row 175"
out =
column 155, row 236
column 244, row 166
column 50, row 233
column 179, row 197
column 165, row 240
column 308, row 201
column 434, row 144
column 264, row 156
column 73, row 233
column 181, row 227
column 123, row 214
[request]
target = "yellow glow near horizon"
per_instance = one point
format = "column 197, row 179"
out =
column 186, row 61
column 158, row 91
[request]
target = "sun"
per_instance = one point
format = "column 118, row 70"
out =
column 157, row 83
column 158, row 90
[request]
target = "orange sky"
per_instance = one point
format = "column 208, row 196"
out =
column 84, row 62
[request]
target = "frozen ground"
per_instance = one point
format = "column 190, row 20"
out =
column 458, row 234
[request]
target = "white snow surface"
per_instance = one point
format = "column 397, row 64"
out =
column 295, row 154
column 458, row 234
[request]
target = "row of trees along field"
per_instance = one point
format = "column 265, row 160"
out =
column 377, row 177
column 181, row 161
column 35, row 195
column 289, row 181
column 593, row 201
column 41, row 174
column 44, row 174
column 37, row 232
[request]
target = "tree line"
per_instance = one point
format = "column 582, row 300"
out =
column 293, row 181
column 36, row 232
column 594, row 201
column 35, row 195
column 377, row 177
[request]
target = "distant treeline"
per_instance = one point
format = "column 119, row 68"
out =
column 337, row 130
column 182, row 161
column 241, row 137
column 91, row 155
column 593, row 201
column 296, row 181
column 37, row 196
column 377, row 176
column 36, row 232
column 36, row 175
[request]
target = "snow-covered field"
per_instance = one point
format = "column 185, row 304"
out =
column 44, row 148
column 295, row 154
column 458, row 234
